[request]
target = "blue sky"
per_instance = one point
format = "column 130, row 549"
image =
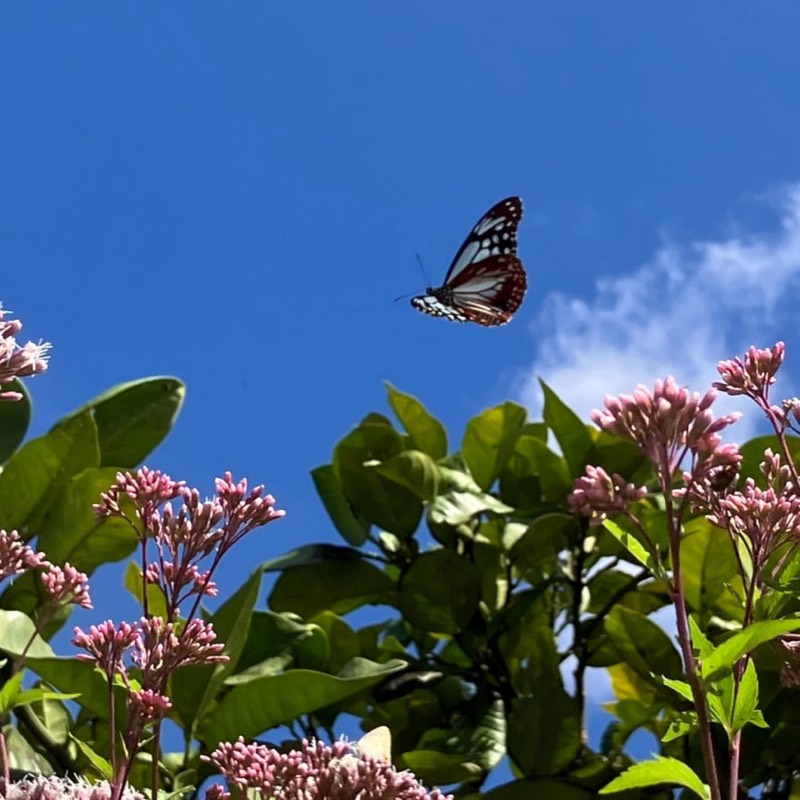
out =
column 235, row 194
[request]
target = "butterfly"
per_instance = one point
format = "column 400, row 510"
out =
column 486, row 281
column 376, row 744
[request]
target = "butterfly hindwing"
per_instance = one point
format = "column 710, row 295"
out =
column 486, row 281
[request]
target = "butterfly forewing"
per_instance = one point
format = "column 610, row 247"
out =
column 495, row 234
column 486, row 281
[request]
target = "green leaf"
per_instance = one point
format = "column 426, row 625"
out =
column 133, row 418
column 73, row 532
column 80, row 678
column 470, row 748
column 383, row 502
column 251, row 708
column 633, row 546
column 681, row 724
column 17, row 632
column 731, row 650
column 344, row 641
column 537, row 746
column 334, row 585
column 681, row 687
column 102, row 765
column 654, row 773
column 642, row 644
column 489, row 441
column 708, row 563
column 35, row 475
column 571, row 433
column 352, row 528
column 413, row 470
column 9, row 692
column 195, row 688
column 427, row 433
column 456, row 508
column 440, row 591
column 746, row 705
column 15, row 417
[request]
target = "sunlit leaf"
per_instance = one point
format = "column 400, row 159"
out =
column 427, row 433
column 657, row 772
column 489, row 441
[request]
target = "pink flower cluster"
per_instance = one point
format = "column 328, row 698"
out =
column 55, row 788
column 598, row 494
column 753, row 375
column 155, row 648
column 63, row 585
column 17, row 557
column 186, row 535
column 18, row 361
column 669, row 424
column 314, row 772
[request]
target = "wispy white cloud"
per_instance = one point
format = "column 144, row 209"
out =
column 688, row 307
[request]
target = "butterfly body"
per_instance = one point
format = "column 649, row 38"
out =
column 486, row 282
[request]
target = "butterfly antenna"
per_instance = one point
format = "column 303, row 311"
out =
column 422, row 267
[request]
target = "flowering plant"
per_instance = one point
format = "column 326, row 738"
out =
column 697, row 473
column 129, row 677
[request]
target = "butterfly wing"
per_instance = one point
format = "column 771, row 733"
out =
column 376, row 744
column 495, row 234
column 486, row 281
column 488, row 293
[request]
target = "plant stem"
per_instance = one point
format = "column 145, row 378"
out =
column 684, row 635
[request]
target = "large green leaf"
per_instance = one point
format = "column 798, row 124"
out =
column 440, row 591
column 254, row 707
column 534, row 475
column 73, row 675
column 133, row 418
column 571, row 433
column 427, row 433
column 35, row 475
column 277, row 642
column 413, row 470
column 72, row 531
column 344, row 644
column 17, row 633
column 380, row 500
column 15, row 417
column 195, row 688
column 537, row 745
column 353, row 528
column 332, row 585
column 489, row 441
column 642, row 644
column 708, row 563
